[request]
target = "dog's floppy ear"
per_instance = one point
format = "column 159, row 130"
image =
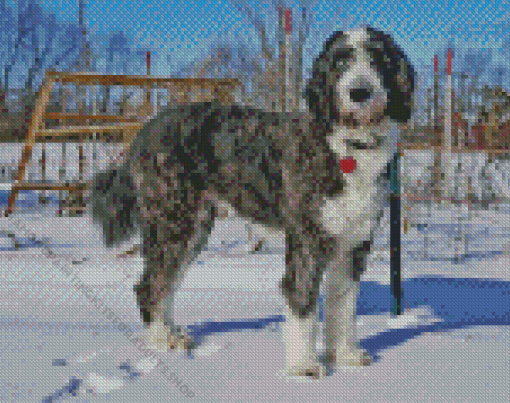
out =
column 320, row 93
column 397, row 72
column 401, row 107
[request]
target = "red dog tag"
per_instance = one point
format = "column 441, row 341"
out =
column 348, row 165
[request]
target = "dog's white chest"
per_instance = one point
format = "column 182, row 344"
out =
column 354, row 213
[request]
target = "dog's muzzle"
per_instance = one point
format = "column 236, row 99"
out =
column 361, row 94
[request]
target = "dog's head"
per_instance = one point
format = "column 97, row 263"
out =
column 360, row 77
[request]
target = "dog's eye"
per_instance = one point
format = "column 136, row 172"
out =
column 375, row 50
column 341, row 57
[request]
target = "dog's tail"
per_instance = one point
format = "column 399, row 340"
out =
column 114, row 204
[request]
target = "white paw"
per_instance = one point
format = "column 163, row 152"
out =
column 313, row 371
column 160, row 338
column 351, row 357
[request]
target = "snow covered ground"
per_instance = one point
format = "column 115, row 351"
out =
column 63, row 295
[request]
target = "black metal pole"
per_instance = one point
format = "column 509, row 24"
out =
column 395, row 235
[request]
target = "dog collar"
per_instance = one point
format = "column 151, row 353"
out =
column 348, row 165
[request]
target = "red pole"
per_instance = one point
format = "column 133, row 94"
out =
column 288, row 21
column 288, row 68
column 446, row 148
column 436, row 74
column 436, row 142
column 148, row 96
column 283, row 68
column 449, row 71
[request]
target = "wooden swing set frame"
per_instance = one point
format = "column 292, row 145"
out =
column 124, row 127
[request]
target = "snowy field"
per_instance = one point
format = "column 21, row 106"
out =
column 69, row 321
column 62, row 343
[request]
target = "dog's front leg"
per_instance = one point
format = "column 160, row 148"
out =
column 300, row 288
column 299, row 336
column 341, row 297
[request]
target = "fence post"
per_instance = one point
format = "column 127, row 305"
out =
column 446, row 145
column 395, row 234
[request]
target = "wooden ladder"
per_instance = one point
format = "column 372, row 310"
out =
column 126, row 126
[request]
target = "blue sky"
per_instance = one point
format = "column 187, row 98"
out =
column 186, row 29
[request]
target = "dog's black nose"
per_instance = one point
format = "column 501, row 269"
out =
column 360, row 94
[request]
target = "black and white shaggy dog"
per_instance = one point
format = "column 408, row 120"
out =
column 318, row 178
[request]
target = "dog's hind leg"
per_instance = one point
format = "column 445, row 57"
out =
column 165, row 266
column 154, row 287
column 204, row 219
column 175, row 222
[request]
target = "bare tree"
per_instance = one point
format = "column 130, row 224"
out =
column 476, row 62
column 230, row 61
column 119, row 58
column 259, row 70
column 271, row 47
column 32, row 40
column 264, row 75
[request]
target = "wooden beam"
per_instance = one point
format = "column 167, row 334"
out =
column 101, row 79
column 71, row 116
column 83, row 208
column 40, row 106
column 36, row 134
column 64, row 131
column 117, row 138
column 51, row 186
column 454, row 149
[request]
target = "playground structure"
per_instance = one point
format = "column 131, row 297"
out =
column 124, row 128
